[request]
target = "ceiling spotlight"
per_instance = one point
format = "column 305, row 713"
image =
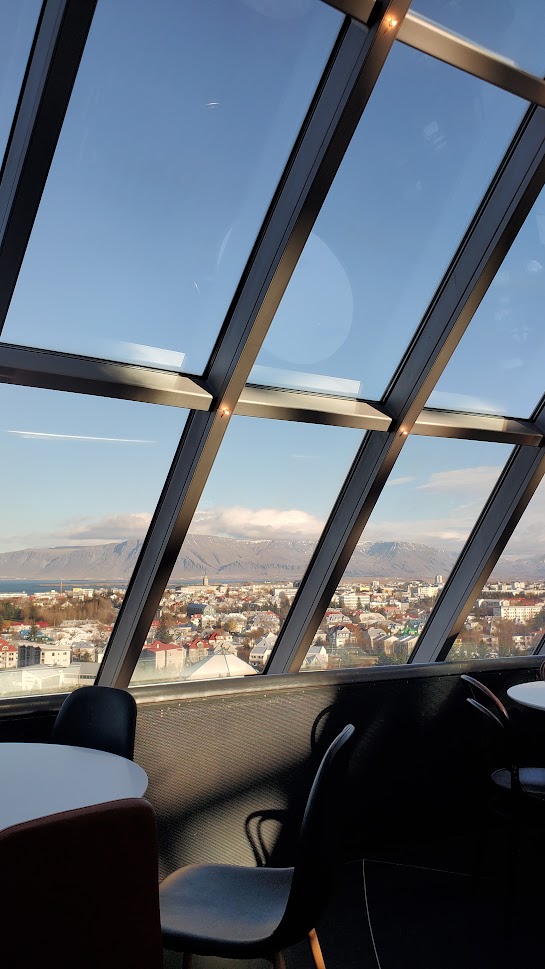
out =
column 225, row 412
column 392, row 23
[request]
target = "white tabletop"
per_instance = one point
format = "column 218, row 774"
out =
column 41, row 779
column 530, row 694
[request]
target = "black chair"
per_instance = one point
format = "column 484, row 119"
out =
column 245, row 913
column 519, row 780
column 84, row 889
column 100, row 717
column 519, row 790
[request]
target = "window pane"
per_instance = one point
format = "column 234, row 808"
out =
column 180, row 123
column 262, row 511
column 513, row 30
column 80, row 479
column 413, row 538
column 498, row 366
column 508, row 618
column 18, row 21
column 414, row 173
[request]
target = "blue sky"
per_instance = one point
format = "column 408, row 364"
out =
column 181, row 120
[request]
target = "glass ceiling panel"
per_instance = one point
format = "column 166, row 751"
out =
column 179, row 126
column 512, row 28
column 508, row 617
column 418, row 165
column 18, row 21
column 267, row 498
column 499, row 364
column 81, row 478
column 407, row 551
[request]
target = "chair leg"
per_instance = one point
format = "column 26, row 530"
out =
column 187, row 960
column 316, row 950
column 278, row 961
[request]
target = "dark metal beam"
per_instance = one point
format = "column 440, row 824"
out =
column 75, row 374
column 513, row 190
column 53, row 65
column 487, row 541
column 332, row 118
column 430, row 38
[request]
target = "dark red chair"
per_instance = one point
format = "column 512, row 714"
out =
column 81, row 890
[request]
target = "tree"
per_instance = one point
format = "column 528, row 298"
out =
column 162, row 632
column 504, row 630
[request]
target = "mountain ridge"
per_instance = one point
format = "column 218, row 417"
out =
column 230, row 559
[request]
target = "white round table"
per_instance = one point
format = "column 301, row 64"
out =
column 41, row 779
column 529, row 694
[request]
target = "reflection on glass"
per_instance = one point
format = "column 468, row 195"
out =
column 179, row 126
column 508, row 617
column 498, row 365
column 262, row 511
column 81, row 477
column 512, row 29
column 18, row 21
column 412, row 540
column 414, row 173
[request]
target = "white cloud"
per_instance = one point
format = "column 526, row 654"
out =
column 534, row 266
column 111, row 528
column 463, row 480
column 260, row 523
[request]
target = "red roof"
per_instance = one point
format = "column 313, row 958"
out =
column 6, row 647
column 158, row 646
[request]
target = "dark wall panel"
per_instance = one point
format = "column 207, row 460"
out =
column 229, row 774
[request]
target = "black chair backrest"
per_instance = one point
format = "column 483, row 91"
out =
column 100, row 717
column 477, row 687
column 85, row 889
column 317, row 848
column 486, row 712
column 541, row 672
column 503, row 726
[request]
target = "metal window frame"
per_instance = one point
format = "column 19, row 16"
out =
column 341, row 97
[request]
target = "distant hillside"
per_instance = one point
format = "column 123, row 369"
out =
column 225, row 559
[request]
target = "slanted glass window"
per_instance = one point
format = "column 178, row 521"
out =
column 182, row 118
column 407, row 551
column 414, row 173
column 511, row 29
column 80, row 479
column 498, row 366
column 18, row 20
column 262, row 511
column 508, row 617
